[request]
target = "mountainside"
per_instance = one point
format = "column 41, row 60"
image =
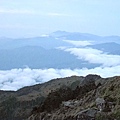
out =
column 47, row 42
column 106, row 47
column 37, row 57
column 17, row 105
column 63, row 99
column 97, row 99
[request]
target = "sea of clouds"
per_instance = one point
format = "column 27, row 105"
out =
column 17, row 78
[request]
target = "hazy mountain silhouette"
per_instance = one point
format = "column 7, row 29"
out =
column 41, row 52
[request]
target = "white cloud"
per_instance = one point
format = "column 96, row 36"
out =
column 31, row 12
column 95, row 56
column 17, row 78
column 79, row 43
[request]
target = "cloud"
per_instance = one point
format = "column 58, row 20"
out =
column 17, row 78
column 79, row 43
column 95, row 56
column 31, row 12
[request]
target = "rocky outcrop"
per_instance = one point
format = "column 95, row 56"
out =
column 55, row 98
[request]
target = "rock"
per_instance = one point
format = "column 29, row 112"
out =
column 87, row 114
column 100, row 103
column 104, row 105
column 90, row 78
column 70, row 104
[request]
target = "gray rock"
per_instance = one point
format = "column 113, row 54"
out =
column 100, row 101
column 90, row 112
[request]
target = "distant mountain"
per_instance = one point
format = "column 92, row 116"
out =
column 37, row 57
column 55, row 39
column 84, row 36
column 110, row 48
column 47, row 42
column 75, row 36
column 59, row 33
column 40, row 52
column 112, row 38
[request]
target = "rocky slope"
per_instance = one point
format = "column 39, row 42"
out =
column 96, row 99
column 71, row 98
column 17, row 105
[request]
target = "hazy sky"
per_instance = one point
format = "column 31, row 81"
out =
column 27, row 18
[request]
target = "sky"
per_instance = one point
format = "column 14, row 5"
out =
column 30, row 18
column 33, row 18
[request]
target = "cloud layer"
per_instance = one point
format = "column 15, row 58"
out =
column 95, row 56
column 17, row 78
column 79, row 43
